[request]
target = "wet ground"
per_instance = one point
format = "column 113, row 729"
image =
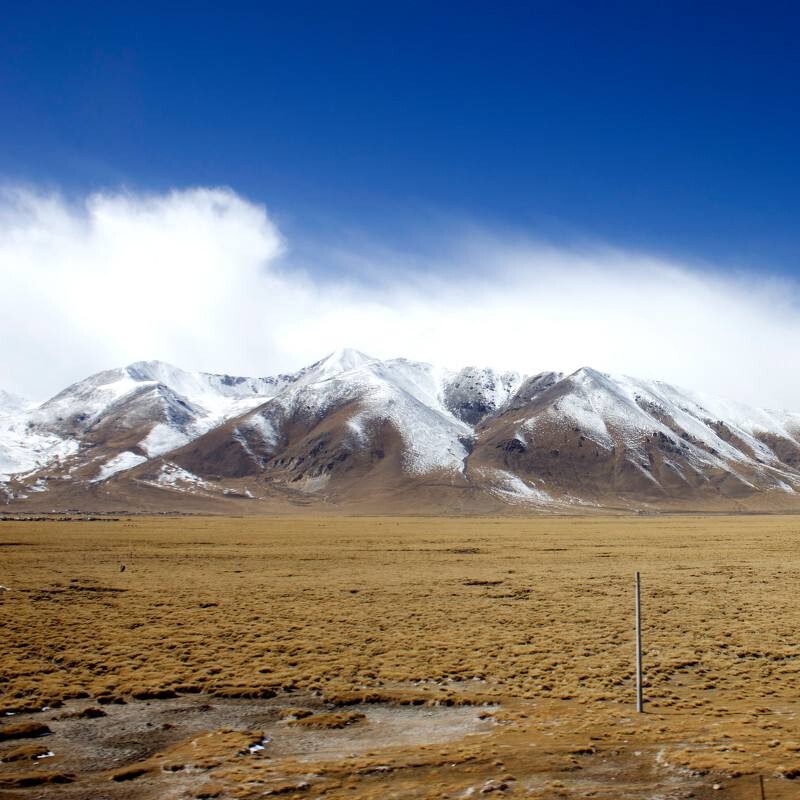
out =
column 297, row 744
column 92, row 743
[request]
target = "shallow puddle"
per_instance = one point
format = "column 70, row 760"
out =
column 132, row 732
column 384, row 726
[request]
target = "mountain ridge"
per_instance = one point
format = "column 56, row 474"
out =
column 354, row 432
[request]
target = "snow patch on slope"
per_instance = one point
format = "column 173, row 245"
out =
column 163, row 438
column 261, row 426
column 510, row 487
column 121, row 462
column 171, row 476
column 23, row 450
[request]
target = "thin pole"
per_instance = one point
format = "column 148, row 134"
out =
column 639, row 703
column 761, row 782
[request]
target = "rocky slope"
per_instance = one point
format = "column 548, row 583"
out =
column 353, row 432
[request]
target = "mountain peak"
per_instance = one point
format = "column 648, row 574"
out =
column 343, row 360
column 590, row 373
column 151, row 370
column 353, row 426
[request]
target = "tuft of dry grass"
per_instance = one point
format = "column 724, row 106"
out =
column 23, row 730
column 26, row 780
column 26, row 752
column 534, row 614
column 330, row 721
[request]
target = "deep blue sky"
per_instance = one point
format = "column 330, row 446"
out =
column 664, row 126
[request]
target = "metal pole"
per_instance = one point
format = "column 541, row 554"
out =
column 639, row 703
column 761, row 783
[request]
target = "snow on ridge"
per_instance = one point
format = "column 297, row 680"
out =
column 412, row 399
column 633, row 406
column 408, row 394
column 214, row 396
column 218, row 396
column 88, row 398
column 346, row 359
column 192, row 404
column 746, row 418
column 413, row 396
column 490, row 388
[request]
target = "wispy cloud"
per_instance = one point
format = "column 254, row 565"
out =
column 204, row 279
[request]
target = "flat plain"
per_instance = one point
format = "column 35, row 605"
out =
column 393, row 657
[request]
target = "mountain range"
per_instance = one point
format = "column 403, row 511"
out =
column 358, row 434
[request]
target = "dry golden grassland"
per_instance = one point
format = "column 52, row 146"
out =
column 520, row 630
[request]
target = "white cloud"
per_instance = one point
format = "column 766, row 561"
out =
column 200, row 278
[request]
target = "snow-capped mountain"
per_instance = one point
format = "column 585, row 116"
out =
column 119, row 418
column 355, row 431
column 597, row 437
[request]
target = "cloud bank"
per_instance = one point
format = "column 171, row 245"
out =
column 204, row 279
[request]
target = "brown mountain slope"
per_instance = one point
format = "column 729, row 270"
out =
column 358, row 434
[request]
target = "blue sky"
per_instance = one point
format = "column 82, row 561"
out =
column 243, row 188
column 665, row 126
